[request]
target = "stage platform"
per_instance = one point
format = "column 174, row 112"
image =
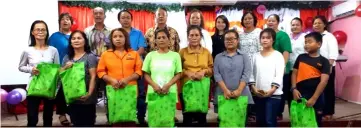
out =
column 347, row 115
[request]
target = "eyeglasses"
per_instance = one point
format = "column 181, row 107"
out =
column 230, row 39
column 40, row 30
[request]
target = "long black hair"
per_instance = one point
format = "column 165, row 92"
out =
column 225, row 20
column 126, row 36
column 71, row 52
column 32, row 37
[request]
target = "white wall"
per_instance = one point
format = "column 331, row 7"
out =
column 17, row 17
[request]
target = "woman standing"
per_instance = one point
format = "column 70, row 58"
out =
column 222, row 25
column 196, row 18
column 120, row 67
column 83, row 111
column 249, row 39
column 249, row 44
column 37, row 52
column 266, row 80
column 298, row 47
column 197, row 63
column 162, row 70
column 232, row 69
column 283, row 45
column 329, row 50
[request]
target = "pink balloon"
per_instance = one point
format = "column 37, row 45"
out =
column 261, row 9
column 3, row 94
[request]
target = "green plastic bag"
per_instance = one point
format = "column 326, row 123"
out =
column 161, row 109
column 44, row 84
column 73, row 81
column 232, row 112
column 301, row 115
column 196, row 95
column 122, row 104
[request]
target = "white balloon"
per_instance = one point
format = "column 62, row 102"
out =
column 22, row 92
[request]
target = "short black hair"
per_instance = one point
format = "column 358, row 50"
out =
column 232, row 31
column 315, row 35
column 196, row 27
column 131, row 16
column 298, row 19
column 162, row 30
column 62, row 15
column 269, row 31
column 276, row 16
column 254, row 18
column 323, row 19
column 162, row 8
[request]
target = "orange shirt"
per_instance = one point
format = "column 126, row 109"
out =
column 120, row 65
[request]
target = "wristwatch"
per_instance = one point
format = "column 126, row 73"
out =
column 293, row 88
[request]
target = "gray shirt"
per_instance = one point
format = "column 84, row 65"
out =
column 31, row 57
column 232, row 70
column 90, row 61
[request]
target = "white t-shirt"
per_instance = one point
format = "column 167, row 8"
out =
column 268, row 71
column 298, row 47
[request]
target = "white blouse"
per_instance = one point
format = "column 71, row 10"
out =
column 268, row 71
column 298, row 47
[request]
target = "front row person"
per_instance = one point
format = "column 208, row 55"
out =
column 162, row 69
column 310, row 75
column 120, row 67
column 266, row 80
column 82, row 111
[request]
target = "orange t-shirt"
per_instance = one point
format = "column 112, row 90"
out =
column 120, row 65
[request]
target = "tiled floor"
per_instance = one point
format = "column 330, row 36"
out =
column 342, row 109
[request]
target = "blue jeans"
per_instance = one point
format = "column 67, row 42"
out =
column 141, row 105
column 267, row 110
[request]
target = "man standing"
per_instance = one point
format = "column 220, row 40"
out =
column 137, row 43
column 161, row 23
column 99, row 41
column 60, row 40
column 98, row 34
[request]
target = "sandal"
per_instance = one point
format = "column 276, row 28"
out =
column 63, row 120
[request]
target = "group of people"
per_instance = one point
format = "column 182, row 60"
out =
column 265, row 65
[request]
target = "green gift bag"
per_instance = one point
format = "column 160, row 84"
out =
column 44, row 84
column 232, row 112
column 122, row 104
column 161, row 109
column 301, row 115
column 196, row 95
column 73, row 81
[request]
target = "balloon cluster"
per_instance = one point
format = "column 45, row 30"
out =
column 13, row 97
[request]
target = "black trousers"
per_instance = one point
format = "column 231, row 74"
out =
column 189, row 117
column 329, row 92
column 82, row 115
column 61, row 107
column 287, row 95
column 33, row 111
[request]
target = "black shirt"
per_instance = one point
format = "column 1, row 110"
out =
column 218, row 44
